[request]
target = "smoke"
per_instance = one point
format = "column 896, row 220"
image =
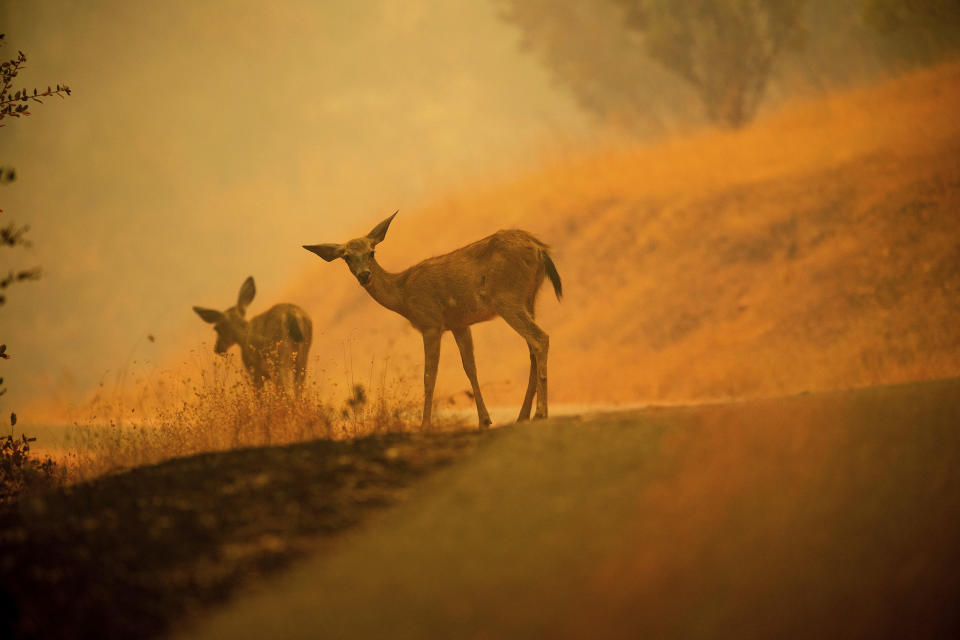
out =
column 206, row 142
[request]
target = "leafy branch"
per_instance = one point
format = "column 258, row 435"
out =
column 20, row 275
column 13, row 235
column 17, row 103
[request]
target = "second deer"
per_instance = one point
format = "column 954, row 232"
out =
column 273, row 345
column 499, row 275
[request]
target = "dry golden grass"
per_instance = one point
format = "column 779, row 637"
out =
column 166, row 414
column 816, row 249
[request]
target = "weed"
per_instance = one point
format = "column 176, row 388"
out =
column 212, row 407
column 20, row 472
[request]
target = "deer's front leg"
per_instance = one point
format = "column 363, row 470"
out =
column 431, row 359
column 464, row 339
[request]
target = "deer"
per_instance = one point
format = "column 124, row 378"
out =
column 274, row 345
column 499, row 275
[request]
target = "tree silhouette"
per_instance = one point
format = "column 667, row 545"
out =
column 609, row 51
column 916, row 31
column 725, row 49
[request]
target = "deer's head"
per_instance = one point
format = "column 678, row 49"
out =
column 357, row 253
column 230, row 325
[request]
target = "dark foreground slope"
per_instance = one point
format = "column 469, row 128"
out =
column 125, row 555
column 827, row 515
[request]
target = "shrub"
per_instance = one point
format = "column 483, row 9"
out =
column 20, row 472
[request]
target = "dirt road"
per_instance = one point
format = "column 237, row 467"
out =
column 827, row 515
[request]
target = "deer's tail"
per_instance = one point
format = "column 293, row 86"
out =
column 552, row 273
column 293, row 328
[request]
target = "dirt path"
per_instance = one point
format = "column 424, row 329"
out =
column 828, row 515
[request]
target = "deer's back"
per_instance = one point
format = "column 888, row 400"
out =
column 273, row 326
column 469, row 284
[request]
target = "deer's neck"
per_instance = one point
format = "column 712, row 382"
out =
column 386, row 288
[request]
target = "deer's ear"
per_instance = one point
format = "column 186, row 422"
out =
column 208, row 315
column 380, row 231
column 328, row 252
column 247, row 290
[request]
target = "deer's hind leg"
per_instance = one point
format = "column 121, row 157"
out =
column 300, row 370
column 464, row 339
column 539, row 343
column 531, row 390
column 284, row 377
column 532, row 381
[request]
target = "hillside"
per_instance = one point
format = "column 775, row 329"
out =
column 817, row 249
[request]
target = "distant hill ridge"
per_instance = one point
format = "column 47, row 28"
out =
column 817, row 249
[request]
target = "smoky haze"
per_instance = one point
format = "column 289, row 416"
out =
column 205, row 142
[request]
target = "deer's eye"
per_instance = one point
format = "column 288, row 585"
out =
column 370, row 255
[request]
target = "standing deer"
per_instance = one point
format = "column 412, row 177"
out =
column 273, row 345
column 499, row 275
